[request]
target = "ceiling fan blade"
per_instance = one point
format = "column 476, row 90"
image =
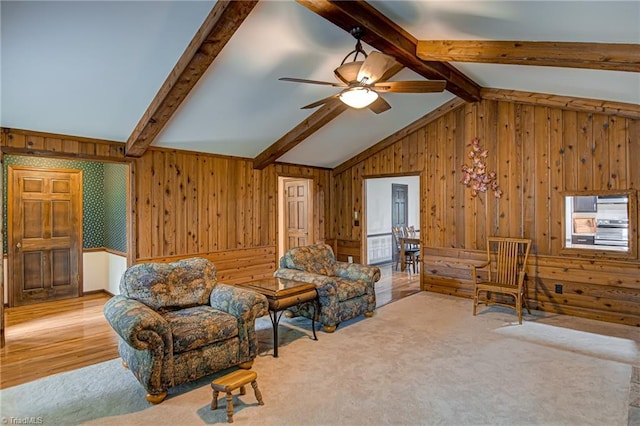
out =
column 348, row 72
column 320, row 102
column 302, row 80
column 379, row 105
column 411, row 86
column 376, row 67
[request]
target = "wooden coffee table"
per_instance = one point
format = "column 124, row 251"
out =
column 282, row 294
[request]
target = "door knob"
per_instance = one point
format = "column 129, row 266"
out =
column 19, row 245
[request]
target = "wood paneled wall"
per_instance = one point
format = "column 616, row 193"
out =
column 237, row 266
column 191, row 204
column 27, row 142
column 538, row 152
column 218, row 207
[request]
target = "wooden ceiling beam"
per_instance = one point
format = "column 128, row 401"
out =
column 310, row 125
column 597, row 56
column 217, row 29
column 389, row 38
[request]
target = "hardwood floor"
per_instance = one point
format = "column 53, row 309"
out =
column 53, row 337
column 395, row 285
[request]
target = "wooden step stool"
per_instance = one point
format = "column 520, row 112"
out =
column 231, row 382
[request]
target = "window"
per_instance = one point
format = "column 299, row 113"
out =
column 600, row 221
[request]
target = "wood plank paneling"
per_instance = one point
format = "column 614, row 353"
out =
column 28, row 142
column 198, row 204
column 469, row 204
column 157, row 212
column 633, row 141
column 234, row 266
column 617, row 152
column 168, row 202
column 570, row 150
column 538, row 148
column 556, row 181
column 441, row 184
column 431, row 223
column 459, row 193
column 216, row 207
column 619, row 109
column 584, row 137
column 540, row 152
column 600, row 151
column 526, row 136
column 348, row 248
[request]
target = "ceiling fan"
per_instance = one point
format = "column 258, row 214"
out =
column 363, row 80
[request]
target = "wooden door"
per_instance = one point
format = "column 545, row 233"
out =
column 297, row 213
column 44, row 209
column 399, row 204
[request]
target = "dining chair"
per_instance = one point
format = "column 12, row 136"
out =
column 411, row 254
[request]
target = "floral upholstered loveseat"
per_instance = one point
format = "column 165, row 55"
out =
column 177, row 324
column 345, row 290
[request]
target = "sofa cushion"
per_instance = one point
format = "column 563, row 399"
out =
column 349, row 289
column 170, row 286
column 195, row 327
column 317, row 259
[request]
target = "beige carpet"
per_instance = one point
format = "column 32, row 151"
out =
column 422, row 360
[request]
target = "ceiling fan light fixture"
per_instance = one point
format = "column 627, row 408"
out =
column 358, row 97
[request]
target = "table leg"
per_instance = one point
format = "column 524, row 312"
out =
column 403, row 257
column 316, row 308
column 275, row 320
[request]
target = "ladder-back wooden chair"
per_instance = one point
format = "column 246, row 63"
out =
column 507, row 264
column 411, row 254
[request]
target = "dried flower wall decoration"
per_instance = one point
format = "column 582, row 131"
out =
column 477, row 177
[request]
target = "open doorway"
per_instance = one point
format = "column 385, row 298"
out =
column 390, row 201
column 295, row 215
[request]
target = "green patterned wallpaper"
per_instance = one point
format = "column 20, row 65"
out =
column 97, row 213
column 115, row 206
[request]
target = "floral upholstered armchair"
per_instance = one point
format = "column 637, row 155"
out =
column 345, row 290
column 177, row 324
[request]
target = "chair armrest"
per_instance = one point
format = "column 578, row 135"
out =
column 522, row 274
column 483, row 265
column 138, row 325
column 325, row 285
column 246, row 305
column 356, row 271
column 474, row 269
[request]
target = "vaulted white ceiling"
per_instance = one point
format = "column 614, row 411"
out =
column 92, row 68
